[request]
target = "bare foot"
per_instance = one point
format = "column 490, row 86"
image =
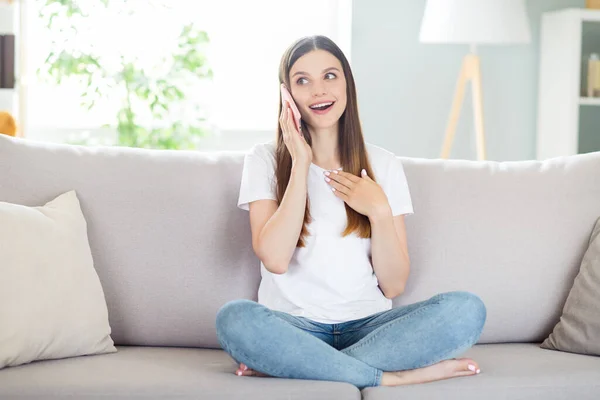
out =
column 443, row 370
column 243, row 370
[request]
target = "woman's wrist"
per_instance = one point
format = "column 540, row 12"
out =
column 380, row 213
column 300, row 168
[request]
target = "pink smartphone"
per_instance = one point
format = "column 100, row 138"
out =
column 287, row 97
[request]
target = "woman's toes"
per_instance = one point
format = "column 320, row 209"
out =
column 247, row 372
column 470, row 365
column 243, row 370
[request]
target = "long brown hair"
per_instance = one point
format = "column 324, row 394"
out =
column 351, row 144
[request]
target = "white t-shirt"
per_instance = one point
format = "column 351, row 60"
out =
column 331, row 280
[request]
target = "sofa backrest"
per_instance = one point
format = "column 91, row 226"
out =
column 171, row 247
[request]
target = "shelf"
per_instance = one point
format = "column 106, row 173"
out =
column 581, row 14
column 568, row 121
column 590, row 15
column 589, row 101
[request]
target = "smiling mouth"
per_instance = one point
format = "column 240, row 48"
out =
column 322, row 106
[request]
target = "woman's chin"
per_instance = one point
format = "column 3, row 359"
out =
column 323, row 124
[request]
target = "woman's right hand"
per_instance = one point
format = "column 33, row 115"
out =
column 294, row 141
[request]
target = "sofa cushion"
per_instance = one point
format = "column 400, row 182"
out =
column 510, row 371
column 51, row 301
column 168, row 241
column 512, row 232
column 578, row 330
column 156, row 373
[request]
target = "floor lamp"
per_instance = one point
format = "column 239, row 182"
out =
column 472, row 22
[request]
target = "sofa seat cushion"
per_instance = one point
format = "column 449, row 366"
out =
column 156, row 373
column 510, row 371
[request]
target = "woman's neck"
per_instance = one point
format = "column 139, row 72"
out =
column 325, row 147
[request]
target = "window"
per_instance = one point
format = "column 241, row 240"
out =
column 247, row 39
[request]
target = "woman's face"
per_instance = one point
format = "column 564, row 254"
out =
column 318, row 86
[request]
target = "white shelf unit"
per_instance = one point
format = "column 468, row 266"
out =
column 561, row 100
column 590, row 101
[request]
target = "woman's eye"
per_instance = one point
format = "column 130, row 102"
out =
column 333, row 76
column 300, row 81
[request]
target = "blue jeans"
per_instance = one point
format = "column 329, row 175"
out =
column 357, row 352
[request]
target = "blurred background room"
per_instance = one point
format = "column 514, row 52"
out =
column 502, row 80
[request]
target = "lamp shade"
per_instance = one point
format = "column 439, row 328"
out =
column 475, row 22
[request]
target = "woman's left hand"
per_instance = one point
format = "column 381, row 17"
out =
column 361, row 193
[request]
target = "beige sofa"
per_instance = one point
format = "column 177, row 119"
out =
column 170, row 247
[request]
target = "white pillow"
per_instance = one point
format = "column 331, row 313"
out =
column 51, row 302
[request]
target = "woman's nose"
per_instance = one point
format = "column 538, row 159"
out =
column 319, row 90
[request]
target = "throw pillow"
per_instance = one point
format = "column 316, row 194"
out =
column 51, row 302
column 578, row 330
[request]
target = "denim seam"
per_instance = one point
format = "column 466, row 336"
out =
column 390, row 324
column 306, row 329
column 378, row 324
column 378, row 376
column 302, row 327
column 365, row 326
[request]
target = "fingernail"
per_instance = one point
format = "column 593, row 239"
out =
column 472, row 367
column 327, row 179
column 335, row 171
column 326, row 173
column 333, row 189
column 239, row 373
column 245, row 367
column 478, row 371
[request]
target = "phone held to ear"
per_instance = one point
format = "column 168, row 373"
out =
column 287, row 97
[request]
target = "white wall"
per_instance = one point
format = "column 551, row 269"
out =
column 405, row 88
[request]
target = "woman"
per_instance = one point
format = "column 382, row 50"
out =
column 327, row 219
